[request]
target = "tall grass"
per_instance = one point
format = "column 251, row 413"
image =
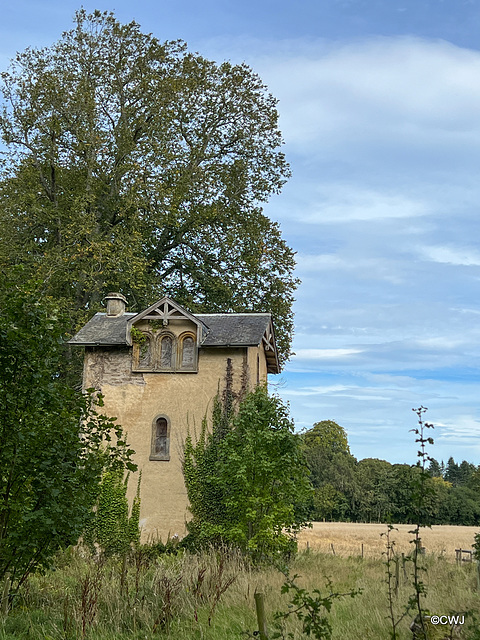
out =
column 211, row 596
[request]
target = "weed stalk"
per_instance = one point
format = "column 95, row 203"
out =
column 420, row 518
column 393, row 560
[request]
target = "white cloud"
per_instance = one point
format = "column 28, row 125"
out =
column 464, row 427
column 324, row 354
column 442, row 342
column 340, row 203
column 320, row 262
column 404, row 86
column 315, row 391
column 340, row 391
column 460, row 256
column 461, row 310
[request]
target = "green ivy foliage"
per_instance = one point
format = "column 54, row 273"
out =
column 246, row 477
column 54, row 444
column 112, row 528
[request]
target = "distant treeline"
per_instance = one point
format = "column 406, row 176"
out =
column 373, row 490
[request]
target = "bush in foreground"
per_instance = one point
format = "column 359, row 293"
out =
column 246, row 478
column 54, row 445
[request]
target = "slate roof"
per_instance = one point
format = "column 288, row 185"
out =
column 103, row 330
column 217, row 330
column 234, row 329
column 221, row 329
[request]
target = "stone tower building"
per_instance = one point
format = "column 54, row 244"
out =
column 159, row 371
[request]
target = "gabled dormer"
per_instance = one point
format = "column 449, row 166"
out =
column 165, row 339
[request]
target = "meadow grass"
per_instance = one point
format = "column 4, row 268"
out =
column 211, row 596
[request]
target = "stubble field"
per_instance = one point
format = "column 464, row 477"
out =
column 347, row 539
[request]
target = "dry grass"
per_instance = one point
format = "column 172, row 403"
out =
column 183, row 597
column 347, row 538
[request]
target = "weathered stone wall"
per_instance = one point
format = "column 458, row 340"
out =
column 136, row 399
column 109, row 366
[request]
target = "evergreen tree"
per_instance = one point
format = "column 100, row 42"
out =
column 435, row 469
column 452, row 472
column 465, row 472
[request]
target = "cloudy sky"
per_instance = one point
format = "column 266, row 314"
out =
column 380, row 111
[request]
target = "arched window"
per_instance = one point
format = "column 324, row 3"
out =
column 145, row 354
column 142, row 351
column 166, row 352
column 160, row 449
column 187, row 353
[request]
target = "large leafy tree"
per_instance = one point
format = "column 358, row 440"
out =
column 139, row 166
column 54, row 445
column 328, row 437
column 332, row 471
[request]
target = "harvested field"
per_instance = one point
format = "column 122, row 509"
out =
column 347, row 538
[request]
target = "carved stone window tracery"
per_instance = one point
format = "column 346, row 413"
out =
column 145, row 354
column 188, row 354
column 164, row 352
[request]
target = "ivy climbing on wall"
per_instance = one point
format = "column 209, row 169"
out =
column 113, row 529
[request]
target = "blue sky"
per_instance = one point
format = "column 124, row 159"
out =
column 380, row 111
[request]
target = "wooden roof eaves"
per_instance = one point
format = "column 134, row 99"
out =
column 270, row 347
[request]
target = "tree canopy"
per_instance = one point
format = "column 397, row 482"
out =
column 138, row 166
column 328, row 437
column 375, row 490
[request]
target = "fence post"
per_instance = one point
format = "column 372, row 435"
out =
column 405, row 576
column 397, row 574
column 262, row 621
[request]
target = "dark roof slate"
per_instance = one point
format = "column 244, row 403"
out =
column 102, row 331
column 222, row 329
column 234, row 329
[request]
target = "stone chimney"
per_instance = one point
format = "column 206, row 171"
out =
column 116, row 304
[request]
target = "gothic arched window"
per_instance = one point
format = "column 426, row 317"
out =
column 166, row 352
column 143, row 352
column 187, row 354
column 160, row 449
